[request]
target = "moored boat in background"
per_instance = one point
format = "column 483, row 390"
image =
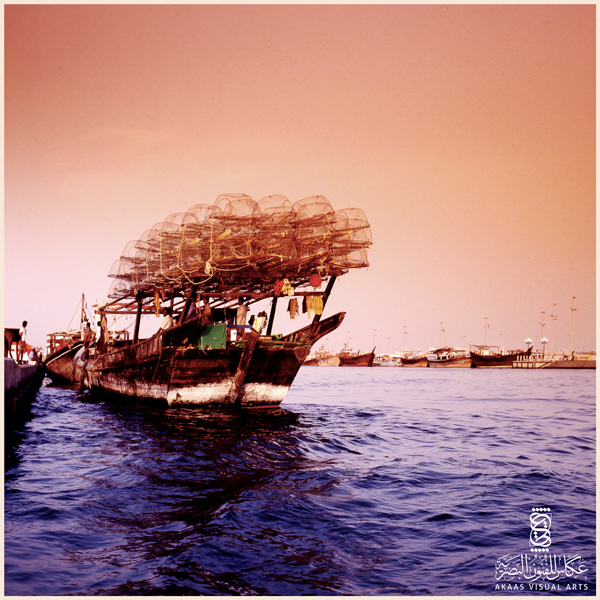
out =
column 414, row 361
column 488, row 357
column 448, row 357
column 349, row 358
column 322, row 358
column 61, row 349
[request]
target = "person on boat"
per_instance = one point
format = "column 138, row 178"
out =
column 206, row 317
column 102, row 335
column 192, row 312
column 168, row 318
column 22, row 345
column 82, row 355
column 88, row 336
column 88, row 342
column 260, row 321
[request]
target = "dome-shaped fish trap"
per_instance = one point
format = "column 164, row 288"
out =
column 239, row 244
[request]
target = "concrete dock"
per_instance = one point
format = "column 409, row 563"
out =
column 21, row 383
column 554, row 364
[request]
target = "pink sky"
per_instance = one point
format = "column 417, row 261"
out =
column 466, row 133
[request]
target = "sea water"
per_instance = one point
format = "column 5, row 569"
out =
column 367, row 481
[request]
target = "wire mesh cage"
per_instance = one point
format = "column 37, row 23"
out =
column 240, row 243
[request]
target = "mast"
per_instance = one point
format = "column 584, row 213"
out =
column 571, row 336
column 82, row 314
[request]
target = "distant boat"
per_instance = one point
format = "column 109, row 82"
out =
column 329, row 361
column 448, row 357
column 414, row 361
column 322, row 358
column 489, row 357
column 348, row 358
column 345, row 358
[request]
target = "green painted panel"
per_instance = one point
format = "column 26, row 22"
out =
column 214, row 336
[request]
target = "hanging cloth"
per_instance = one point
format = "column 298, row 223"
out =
column 293, row 308
column 318, row 305
column 287, row 288
column 309, row 305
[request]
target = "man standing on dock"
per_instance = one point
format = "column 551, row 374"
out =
column 22, row 344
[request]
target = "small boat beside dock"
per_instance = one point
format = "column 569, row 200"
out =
column 61, row 349
column 62, row 346
column 65, row 359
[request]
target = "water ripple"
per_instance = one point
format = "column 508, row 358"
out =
column 365, row 482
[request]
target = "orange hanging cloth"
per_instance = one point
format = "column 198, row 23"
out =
column 317, row 305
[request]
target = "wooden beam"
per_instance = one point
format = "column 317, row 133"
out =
column 242, row 370
column 138, row 319
column 272, row 316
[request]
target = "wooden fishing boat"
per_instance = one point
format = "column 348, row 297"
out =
column 322, row 358
column 349, row 358
column 64, row 350
column 414, row 361
column 61, row 349
column 490, row 357
column 448, row 357
column 60, row 361
column 230, row 256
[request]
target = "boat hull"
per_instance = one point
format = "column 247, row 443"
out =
column 362, row 360
column 454, row 363
column 414, row 362
column 186, row 375
column 323, row 361
column 61, row 368
column 196, row 377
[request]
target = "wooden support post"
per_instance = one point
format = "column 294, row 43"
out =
column 272, row 316
column 138, row 319
column 242, row 370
